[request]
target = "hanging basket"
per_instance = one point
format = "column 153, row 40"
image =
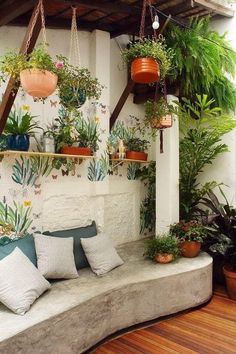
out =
column 145, row 70
column 72, row 98
column 38, row 83
column 164, row 122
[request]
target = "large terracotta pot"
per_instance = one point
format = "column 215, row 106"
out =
column 136, row 155
column 75, row 150
column 38, row 83
column 164, row 258
column 230, row 278
column 164, row 122
column 145, row 70
column 190, row 249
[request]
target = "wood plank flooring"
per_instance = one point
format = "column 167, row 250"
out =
column 210, row 329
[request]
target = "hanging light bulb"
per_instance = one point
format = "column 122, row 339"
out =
column 156, row 24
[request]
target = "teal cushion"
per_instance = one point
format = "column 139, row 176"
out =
column 85, row 232
column 25, row 244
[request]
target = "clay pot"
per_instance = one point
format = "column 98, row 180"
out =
column 136, row 155
column 75, row 150
column 164, row 122
column 38, row 83
column 145, row 70
column 190, row 249
column 230, row 278
column 164, row 258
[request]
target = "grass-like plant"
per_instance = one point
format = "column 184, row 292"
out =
column 20, row 122
column 98, row 169
column 17, row 216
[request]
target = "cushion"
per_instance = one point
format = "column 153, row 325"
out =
column 55, row 257
column 85, row 232
column 20, row 282
column 25, row 244
column 101, row 253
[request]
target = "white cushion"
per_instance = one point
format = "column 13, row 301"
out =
column 20, row 282
column 55, row 257
column 101, row 253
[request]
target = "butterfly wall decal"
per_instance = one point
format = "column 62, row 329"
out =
column 102, row 105
column 54, row 176
column 103, row 111
column 37, row 186
column 65, row 172
column 53, row 103
column 103, row 131
column 37, row 192
column 79, row 176
column 37, row 216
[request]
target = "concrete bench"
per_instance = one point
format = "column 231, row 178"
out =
column 76, row 314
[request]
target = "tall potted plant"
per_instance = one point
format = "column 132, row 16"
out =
column 150, row 60
column 19, row 126
column 162, row 248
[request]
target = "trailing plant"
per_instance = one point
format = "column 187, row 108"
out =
column 204, row 62
column 20, row 122
column 188, row 231
column 17, row 216
column 154, row 111
column 202, row 128
column 162, row 244
column 151, row 49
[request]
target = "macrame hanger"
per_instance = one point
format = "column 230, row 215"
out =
column 143, row 19
column 39, row 11
column 74, row 54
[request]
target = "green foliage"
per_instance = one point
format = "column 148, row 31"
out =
column 188, row 231
column 3, row 142
column 202, row 128
column 98, row 169
column 156, row 110
column 165, row 243
column 18, row 217
column 88, row 134
column 132, row 170
column 20, row 122
column 137, row 144
column 151, row 49
column 204, row 62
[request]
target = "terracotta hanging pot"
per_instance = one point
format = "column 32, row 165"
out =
column 38, row 83
column 164, row 122
column 76, row 150
column 230, row 278
column 145, row 70
column 136, row 155
column 164, row 258
column 190, row 249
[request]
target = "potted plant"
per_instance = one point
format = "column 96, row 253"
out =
column 158, row 114
column 76, row 85
column 136, row 149
column 162, row 248
column 88, row 136
column 19, row 126
column 150, row 60
column 36, row 72
column 190, row 235
column 221, row 237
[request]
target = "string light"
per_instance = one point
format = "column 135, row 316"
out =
column 156, row 23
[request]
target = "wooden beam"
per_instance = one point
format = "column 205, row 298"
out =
column 121, row 102
column 106, row 7
column 214, row 6
column 14, row 10
column 10, row 93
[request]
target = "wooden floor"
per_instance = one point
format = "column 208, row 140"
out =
column 207, row 330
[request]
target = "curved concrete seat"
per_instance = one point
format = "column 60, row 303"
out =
column 76, row 314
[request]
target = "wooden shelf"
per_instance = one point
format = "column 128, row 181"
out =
column 128, row 160
column 43, row 154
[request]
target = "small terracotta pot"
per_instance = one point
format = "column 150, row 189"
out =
column 75, row 150
column 164, row 122
column 230, row 278
column 164, row 258
column 136, row 155
column 38, row 83
column 145, row 70
column 190, row 249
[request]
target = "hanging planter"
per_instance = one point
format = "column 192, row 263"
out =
column 161, row 123
column 72, row 97
column 145, row 70
column 38, row 83
column 158, row 114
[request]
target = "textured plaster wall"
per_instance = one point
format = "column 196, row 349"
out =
column 68, row 199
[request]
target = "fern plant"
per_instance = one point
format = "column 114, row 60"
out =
column 202, row 128
column 204, row 62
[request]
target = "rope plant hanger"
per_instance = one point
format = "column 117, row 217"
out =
column 72, row 95
column 39, row 80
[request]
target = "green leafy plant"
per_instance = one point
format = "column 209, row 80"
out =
column 20, row 122
column 202, row 128
column 132, row 171
column 188, row 231
column 204, row 62
column 154, row 111
column 98, row 169
column 163, row 244
column 137, row 144
column 17, row 216
column 151, row 49
column 88, row 134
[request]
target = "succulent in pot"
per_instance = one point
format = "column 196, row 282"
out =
column 190, row 235
column 158, row 114
column 136, row 148
column 150, row 60
column 162, row 248
column 19, row 126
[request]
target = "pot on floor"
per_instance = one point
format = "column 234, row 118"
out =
column 230, row 277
